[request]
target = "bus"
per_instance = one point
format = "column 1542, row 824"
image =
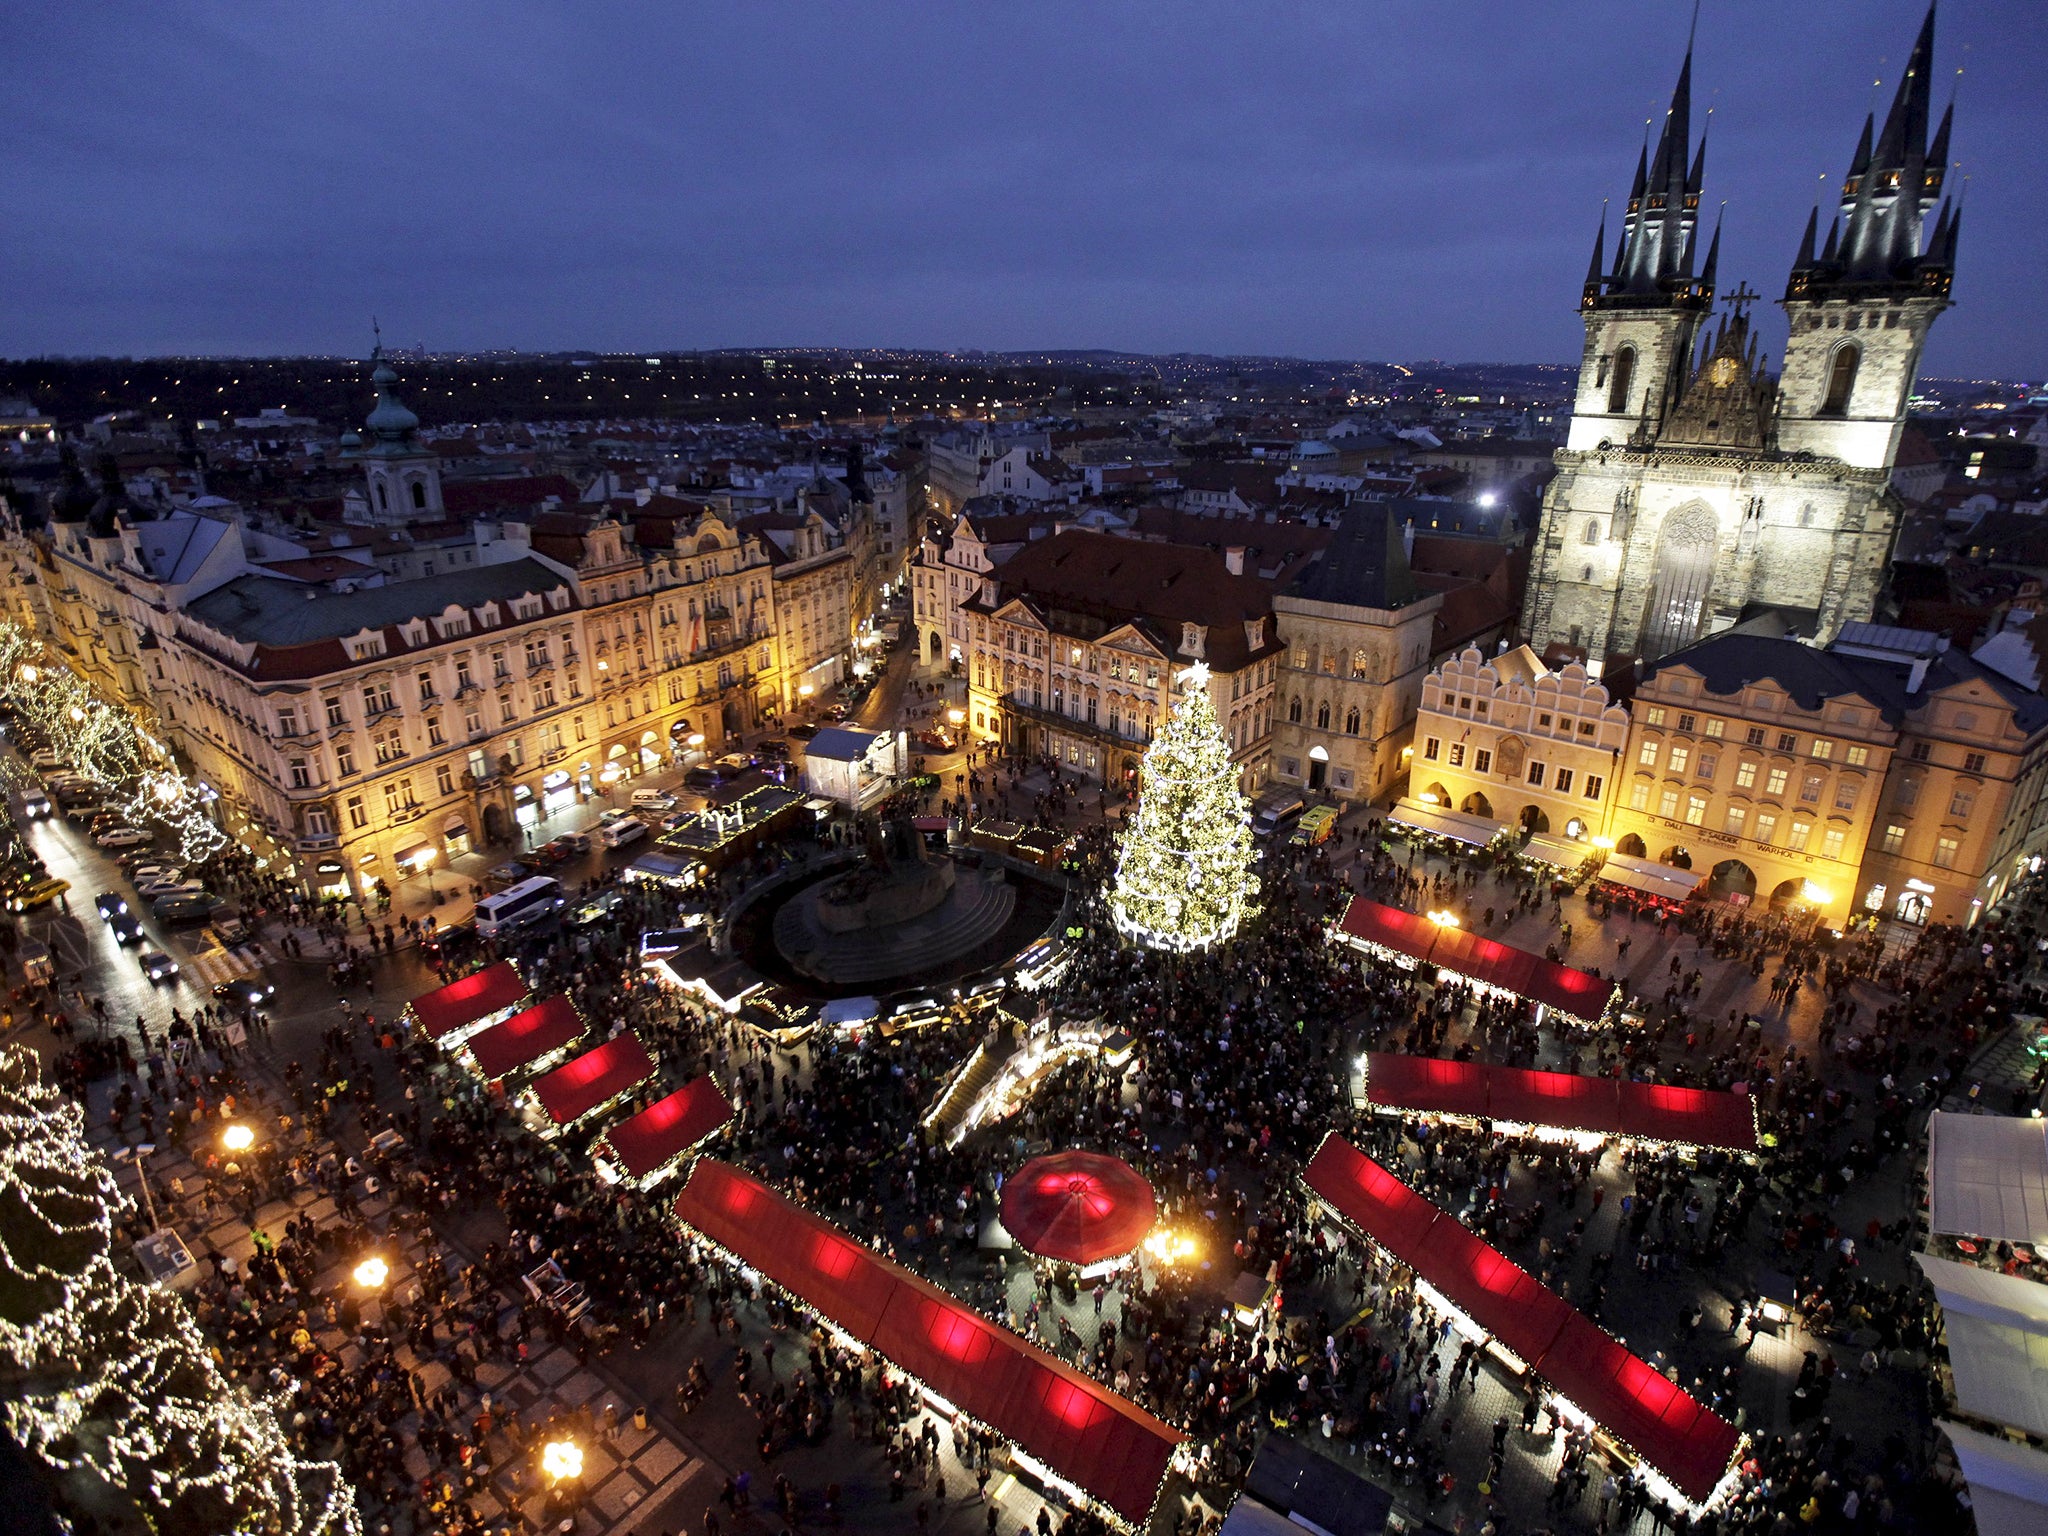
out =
column 519, row 904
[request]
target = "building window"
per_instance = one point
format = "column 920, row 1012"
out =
column 1716, row 728
column 444, row 779
column 1766, row 826
column 1457, row 754
column 1290, row 768
column 1845, row 795
column 287, row 722
column 1857, row 757
column 1688, row 722
column 1796, row 837
column 358, row 818
column 1809, row 789
column 1646, row 755
column 1961, row 802
column 1945, row 851
column 1774, row 786
column 1823, row 750
column 1667, row 804
column 1745, row 775
column 1831, row 843
column 1294, row 710
column 1754, row 736
column 1841, row 381
column 1680, row 756
column 317, row 823
column 1695, row 809
column 1536, row 771
column 1351, row 721
column 1787, row 742
column 1482, row 761
column 335, row 716
column 1563, row 782
column 1973, row 762
column 1708, row 763
column 344, row 760
column 1894, row 838
column 1619, row 381
column 1922, row 751
column 1639, row 795
column 1654, row 715
column 1594, row 783
column 1323, row 716
column 301, row 778
column 1734, row 821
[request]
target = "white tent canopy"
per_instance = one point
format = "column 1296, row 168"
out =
column 1997, row 1341
column 1559, row 851
column 1442, row 821
column 1650, row 877
column 2008, row 1482
column 1987, row 1177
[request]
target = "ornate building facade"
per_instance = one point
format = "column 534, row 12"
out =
column 1696, row 489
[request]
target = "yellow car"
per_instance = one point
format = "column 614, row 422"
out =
column 39, row 894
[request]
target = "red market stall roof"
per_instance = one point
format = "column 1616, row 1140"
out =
column 447, row 1009
column 1081, row 1207
column 1652, row 1111
column 1085, row 1433
column 596, row 1077
column 666, row 1129
column 1570, row 991
column 1678, row 1435
column 526, row 1037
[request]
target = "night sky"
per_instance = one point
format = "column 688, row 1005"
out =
column 1361, row 179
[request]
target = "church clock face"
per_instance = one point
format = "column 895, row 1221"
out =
column 1721, row 372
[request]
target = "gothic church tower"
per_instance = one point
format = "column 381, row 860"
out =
column 1695, row 489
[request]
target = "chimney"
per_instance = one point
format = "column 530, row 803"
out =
column 1917, row 677
column 1233, row 559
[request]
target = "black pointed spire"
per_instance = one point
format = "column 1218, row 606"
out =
column 1713, row 259
column 1834, row 234
column 1805, row 257
column 1860, row 161
column 1635, row 192
column 1659, row 244
column 1905, row 126
column 1937, row 152
column 1593, row 273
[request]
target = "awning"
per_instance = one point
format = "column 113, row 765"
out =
column 1080, row 1429
column 525, row 1038
column 1649, row 877
column 593, row 1079
column 1997, row 1327
column 1559, row 851
column 1987, row 1176
column 454, row 826
column 411, row 852
column 669, row 1128
column 1444, row 822
column 1683, row 1439
column 2008, row 1482
column 464, row 1002
column 1610, row 1106
column 1575, row 993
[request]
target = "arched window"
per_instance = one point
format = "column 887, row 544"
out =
column 1351, row 722
column 1592, row 530
column 1618, row 385
column 1323, row 716
column 1294, row 710
column 1841, row 381
column 383, row 497
column 419, row 494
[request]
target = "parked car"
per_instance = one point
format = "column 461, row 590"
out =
column 653, row 800
column 803, row 732
column 936, row 740
column 157, row 890
column 232, row 934
column 147, row 866
column 126, row 928
column 112, row 903
column 626, row 829
column 700, row 778
column 47, row 762
column 35, row 805
column 156, row 965
column 571, row 843
column 546, row 856
column 733, row 764
column 509, row 873
column 774, row 747
column 245, row 992
column 123, row 837
column 677, row 820
column 37, row 893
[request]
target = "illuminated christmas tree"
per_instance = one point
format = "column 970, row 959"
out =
column 1184, row 876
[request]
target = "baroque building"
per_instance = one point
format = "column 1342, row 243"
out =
column 1696, row 489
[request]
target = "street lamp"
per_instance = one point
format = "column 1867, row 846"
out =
column 424, row 861
column 372, row 1273
column 238, row 1138
column 1444, row 919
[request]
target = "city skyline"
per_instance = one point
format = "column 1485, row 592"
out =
column 1322, row 189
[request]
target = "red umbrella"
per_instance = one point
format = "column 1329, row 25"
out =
column 1082, row 1207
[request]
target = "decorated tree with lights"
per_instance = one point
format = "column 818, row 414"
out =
column 102, row 1376
column 1184, row 876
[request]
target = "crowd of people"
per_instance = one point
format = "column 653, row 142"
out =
column 1244, row 1062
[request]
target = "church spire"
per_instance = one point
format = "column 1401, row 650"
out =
column 1658, row 231
column 1894, row 183
column 1593, row 273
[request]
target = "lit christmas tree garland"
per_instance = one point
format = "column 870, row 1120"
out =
column 104, row 743
column 1184, row 876
column 109, row 1376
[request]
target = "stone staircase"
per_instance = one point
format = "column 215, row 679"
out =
column 981, row 902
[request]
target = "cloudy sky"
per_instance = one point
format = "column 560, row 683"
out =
column 1389, row 179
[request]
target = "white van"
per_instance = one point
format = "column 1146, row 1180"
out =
column 653, row 800
column 626, row 829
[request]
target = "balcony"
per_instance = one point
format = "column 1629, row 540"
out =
column 318, row 842
column 1075, row 724
column 407, row 813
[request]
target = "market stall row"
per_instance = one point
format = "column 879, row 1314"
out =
column 1563, row 1101
column 1643, row 1412
column 1067, row 1428
column 1406, row 936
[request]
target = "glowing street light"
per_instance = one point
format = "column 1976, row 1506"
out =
column 78, row 714
column 1444, row 919
column 372, row 1273
column 562, row 1460
column 956, row 716
column 29, row 674
column 1170, row 1247
column 238, row 1138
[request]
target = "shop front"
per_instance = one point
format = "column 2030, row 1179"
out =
column 525, row 809
column 455, row 836
column 650, row 751
column 557, row 793
column 330, row 880
column 686, row 743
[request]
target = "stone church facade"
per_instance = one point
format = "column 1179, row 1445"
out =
column 1698, row 489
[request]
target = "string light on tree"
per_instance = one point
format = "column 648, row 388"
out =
column 1184, row 876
